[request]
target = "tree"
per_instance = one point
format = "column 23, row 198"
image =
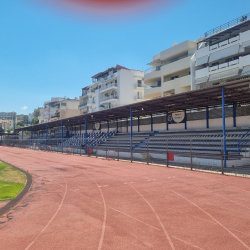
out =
column 35, row 121
column 36, row 113
column 25, row 119
column 1, row 130
column 20, row 124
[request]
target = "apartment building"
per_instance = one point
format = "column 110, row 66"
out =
column 6, row 124
column 59, row 108
column 170, row 71
column 111, row 88
column 223, row 54
column 9, row 119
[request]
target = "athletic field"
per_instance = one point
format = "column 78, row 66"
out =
column 79, row 202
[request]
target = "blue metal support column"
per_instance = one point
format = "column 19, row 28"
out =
column 207, row 116
column 151, row 120
column 80, row 130
column 31, row 133
column 185, row 119
column 234, row 114
column 62, row 129
column 108, row 126
column 127, row 125
column 224, row 126
column 131, row 126
column 100, row 127
column 22, row 135
column 46, row 131
column 86, row 132
column 138, row 123
column 117, row 126
column 167, row 120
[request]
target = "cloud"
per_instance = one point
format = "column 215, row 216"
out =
column 24, row 108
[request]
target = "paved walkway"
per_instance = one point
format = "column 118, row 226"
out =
column 88, row 203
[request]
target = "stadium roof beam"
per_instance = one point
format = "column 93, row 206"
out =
column 235, row 92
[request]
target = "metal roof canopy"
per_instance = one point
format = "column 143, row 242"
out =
column 236, row 92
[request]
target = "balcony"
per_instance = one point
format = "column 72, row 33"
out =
column 91, row 102
column 55, row 107
column 110, row 98
column 91, row 91
column 82, row 105
column 84, row 94
column 139, row 98
column 111, row 106
column 107, row 87
column 158, row 67
column 105, row 79
column 55, row 115
column 141, row 86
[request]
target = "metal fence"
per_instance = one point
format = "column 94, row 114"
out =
column 200, row 153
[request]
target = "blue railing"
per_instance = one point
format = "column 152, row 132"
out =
column 243, row 141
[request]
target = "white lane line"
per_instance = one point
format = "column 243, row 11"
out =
column 87, row 197
column 158, row 218
column 118, row 211
column 52, row 218
column 104, row 215
column 232, row 234
column 134, row 218
column 188, row 243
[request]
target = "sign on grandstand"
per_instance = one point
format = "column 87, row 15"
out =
column 96, row 126
column 176, row 117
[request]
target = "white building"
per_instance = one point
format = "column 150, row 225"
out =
column 30, row 117
column 223, row 54
column 59, row 108
column 170, row 71
column 111, row 88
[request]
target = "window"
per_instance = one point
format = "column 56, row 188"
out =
column 139, row 83
column 63, row 104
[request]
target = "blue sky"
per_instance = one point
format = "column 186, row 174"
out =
column 47, row 53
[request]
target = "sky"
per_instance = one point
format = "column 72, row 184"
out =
column 49, row 52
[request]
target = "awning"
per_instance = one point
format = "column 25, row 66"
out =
column 224, row 53
column 201, row 60
column 200, row 80
column 224, row 74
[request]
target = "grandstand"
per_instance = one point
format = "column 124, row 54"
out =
column 214, row 130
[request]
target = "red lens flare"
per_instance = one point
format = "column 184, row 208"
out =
column 103, row 8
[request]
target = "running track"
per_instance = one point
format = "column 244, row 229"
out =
column 87, row 203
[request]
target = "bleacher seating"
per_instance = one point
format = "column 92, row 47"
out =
column 92, row 139
column 203, row 141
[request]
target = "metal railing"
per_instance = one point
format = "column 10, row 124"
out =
column 227, row 25
column 108, row 86
column 195, row 153
column 83, row 105
column 109, row 97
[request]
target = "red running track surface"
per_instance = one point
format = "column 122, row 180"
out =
column 86, row 203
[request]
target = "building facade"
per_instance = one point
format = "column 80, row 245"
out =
column 170, row 71
column 8, row 119
column 114, row 87
column 59, row 108
column 222, row 55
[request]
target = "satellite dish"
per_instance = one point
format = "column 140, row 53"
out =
column 175, row 43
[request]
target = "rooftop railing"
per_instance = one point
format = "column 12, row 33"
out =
column 227, row 25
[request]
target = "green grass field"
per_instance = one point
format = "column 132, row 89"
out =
column 12, row 181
